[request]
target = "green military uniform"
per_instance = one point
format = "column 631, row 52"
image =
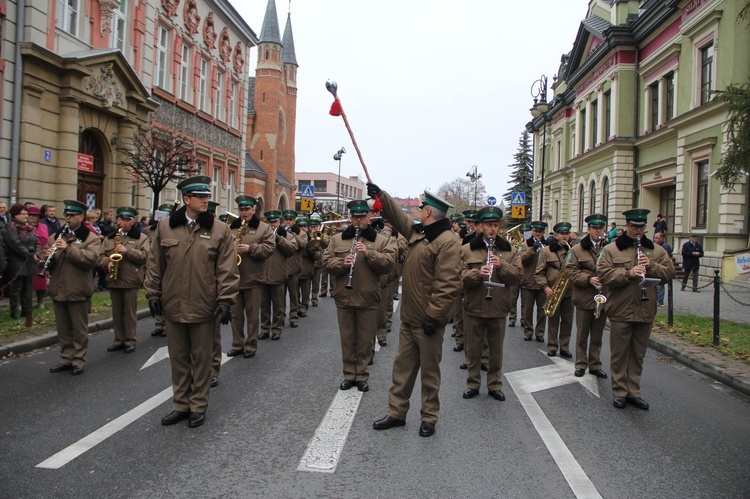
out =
column 160, row 329
column 532, row 293
column 71, row 286
column 485, row 318
column 516, row 293
column 312, row 252
column 630, row 317
column 357, row 290
column 192, row 276
column 552, row 259
column 294, row 267
column 123, row 290
column 318, row 266
column 589, row 329
column 431, row 284
column 258, row 236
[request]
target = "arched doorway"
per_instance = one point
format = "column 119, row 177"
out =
column 91, row 170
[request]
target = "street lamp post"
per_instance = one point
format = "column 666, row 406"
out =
column 474, row 177
column 337, row 157
column 540, row 108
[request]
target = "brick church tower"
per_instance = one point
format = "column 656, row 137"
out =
column 272, row 117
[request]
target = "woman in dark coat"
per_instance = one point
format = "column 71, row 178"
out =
column 22, row 244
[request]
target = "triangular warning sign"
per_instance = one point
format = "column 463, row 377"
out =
column 518, row 198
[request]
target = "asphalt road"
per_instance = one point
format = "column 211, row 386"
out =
column 692, row 443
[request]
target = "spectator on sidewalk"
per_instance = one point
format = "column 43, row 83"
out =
column 612, row 233
column 660, row 226
column 22, row 244
column 659, row 239
column 49, row 219
column 692, row 252
column 41, row 231
column 4, row 213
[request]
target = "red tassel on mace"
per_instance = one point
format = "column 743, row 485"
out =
column 336, row 108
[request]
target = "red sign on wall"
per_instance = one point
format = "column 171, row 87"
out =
column 85, row 162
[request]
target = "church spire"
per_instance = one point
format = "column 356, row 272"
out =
column 287, row 53
column 270, row 31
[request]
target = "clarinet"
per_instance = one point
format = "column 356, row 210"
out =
column 489, row 282
column 63, row 232
column 639, row 252
column 353, row 251
column 599, row 298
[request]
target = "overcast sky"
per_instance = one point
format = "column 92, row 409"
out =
column 430, row 87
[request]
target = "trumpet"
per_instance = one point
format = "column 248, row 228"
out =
column 115, row 257
column 63, row 232
column 353, row 251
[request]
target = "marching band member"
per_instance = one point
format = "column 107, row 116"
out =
column 356, row 259
column 272, row 302
column 294, row 267
column 73, row 251
column 312, row 251
column 533, row 293
column 631, row 308
column 191, row 279
column 484, row 318
column 431, row 283
column 582, row 272
column 125, row 276
column 255, row 245
column 551, row 261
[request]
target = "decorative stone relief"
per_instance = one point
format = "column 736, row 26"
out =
column 209, row 32
column 238, row 60
column 225, row 45
column 105, row 87
column 106, row 7
column 170, row 6
column 192, row 18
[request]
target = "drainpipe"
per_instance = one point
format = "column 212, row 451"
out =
column 636, row 190
column 15, row 150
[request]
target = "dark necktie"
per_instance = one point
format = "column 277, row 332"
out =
column 191, row 225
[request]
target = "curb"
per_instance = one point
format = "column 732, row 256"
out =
column 48, row 339
column 729, row 378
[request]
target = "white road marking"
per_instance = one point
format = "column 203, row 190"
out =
column 524, row 384
column 92, row 439
column 323, row 452
column 160, row 354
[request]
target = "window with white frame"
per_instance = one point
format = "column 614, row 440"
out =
column 233, row 104
column 669, row 82
column 117, row 36
column 67, row 16
column 707, row 72
column 581, row 202
column 219, row 102
column 605, row 196
column 607, row 115
column 203, row 86
column 230, row 188
column 215, row 187
column 162, row 57
column 594, row 122
column 558, row 154
column 592, row 197
column 654, row 103
column 185, row 73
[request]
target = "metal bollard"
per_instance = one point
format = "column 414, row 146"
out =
column 717, row 292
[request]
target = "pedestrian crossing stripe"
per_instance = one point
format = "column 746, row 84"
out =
column 518, row 198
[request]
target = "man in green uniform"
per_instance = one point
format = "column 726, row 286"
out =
column 484, row 318
column 357, row 258
column 191, row 279
column 76, row 250
column 583, row 279
column 272, row 300
column 621, row 269
column 315, row 227
column 255, row 244
column 124, row 282
column 294, row 267
column 311, row 252
column 551, row 261
column 533, row 293
column 159, row 328
column 431, row 283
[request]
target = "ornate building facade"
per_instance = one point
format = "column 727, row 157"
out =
column 89, row 74
column 634, row 122
column 272, row 117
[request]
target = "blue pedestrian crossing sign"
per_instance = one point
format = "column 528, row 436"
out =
column 308, row 191
column 491, row 201
column 518, row 198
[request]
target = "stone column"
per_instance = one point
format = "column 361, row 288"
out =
column 66, row 172
column 662, row 111
column 600, row 110
column 614, row 108
column 589, row 138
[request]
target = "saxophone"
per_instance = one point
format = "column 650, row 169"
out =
column 558, row 290
column 240, row 234
column 115, row 257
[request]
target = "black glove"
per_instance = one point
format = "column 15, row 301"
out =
column 295, row 229
column 372, row 189
column 429, row 326
column 226, row 313
column 281, row 231
column 155, row 307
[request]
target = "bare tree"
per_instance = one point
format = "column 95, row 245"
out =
column 156, row 156
column 462, row 194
